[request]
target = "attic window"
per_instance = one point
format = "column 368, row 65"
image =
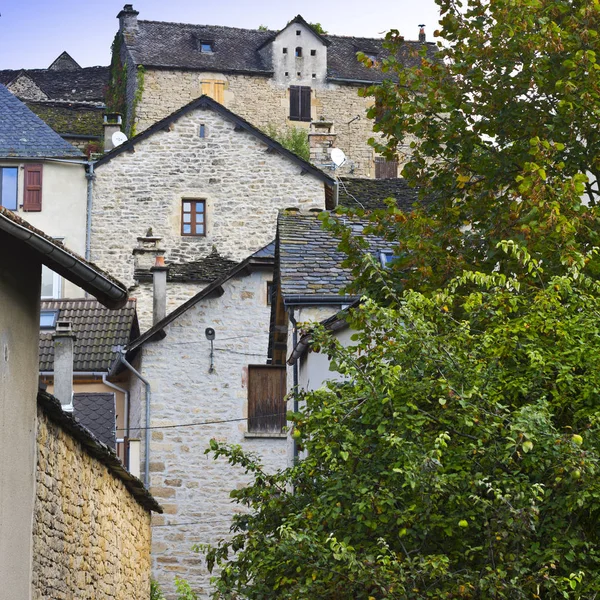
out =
column 298, row 32
column 298, row 52
column 205, row 46
column 386, row 257
column 372, row 57
column 313, row 52
column 48, row 319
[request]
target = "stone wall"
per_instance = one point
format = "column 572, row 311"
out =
column 193, row 488
column 263, row 101
column 91, row 538
column 242, row 184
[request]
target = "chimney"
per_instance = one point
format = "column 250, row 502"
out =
column 112, row 124
column 128, row 19
column 63, row 364
column 321, row 139
column 422, row 37
column 159, row 298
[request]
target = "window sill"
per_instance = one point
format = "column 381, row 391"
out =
column 266, row 435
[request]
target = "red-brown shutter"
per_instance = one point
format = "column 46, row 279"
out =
column 294, row 102
column 305, row 103
column 32, row 193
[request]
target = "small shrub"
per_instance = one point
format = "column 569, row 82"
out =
column 155, row 591
column 294, row 139
column 184, row 590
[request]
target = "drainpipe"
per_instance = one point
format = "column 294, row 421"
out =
column 148, row 396
column 294, row 376
column 89, row 174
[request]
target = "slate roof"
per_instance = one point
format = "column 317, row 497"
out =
column 310, row 265
column 175, row 45
column 96, row 412
column 24, row 135
column 70, row 118
column 95, row 448
column 355, row 192
column 87, row 84
column 97, row 331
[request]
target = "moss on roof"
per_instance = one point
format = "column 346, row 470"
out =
column 67, row 118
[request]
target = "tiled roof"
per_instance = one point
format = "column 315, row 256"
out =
column 86, row 84
column 96, row 412
column 70, row 118
column 369, row 194
column 95, row 448
column 24, row 135
column 97, row 331
column 209, row 268
column 175, row 45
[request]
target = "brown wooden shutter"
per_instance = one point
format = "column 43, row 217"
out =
column 294, row 102
column 385, row 169
column 219, row 92
column 207, row 88
column 32, row 192
column 266, row 393
column 305, row 103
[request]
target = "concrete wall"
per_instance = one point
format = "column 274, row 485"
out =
column 20, row 274
column 91, row 538
column 242, row 184
column 63, row 214
column 265, row 101
column 193, row 488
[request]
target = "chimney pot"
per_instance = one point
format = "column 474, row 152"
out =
column 111, row 124
column 422, row 36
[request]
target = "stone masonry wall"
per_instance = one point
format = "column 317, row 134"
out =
column 192, row 488
column 243, row 185
column 262, row 101
column 91, row 539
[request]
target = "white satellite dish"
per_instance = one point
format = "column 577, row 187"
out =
column 118, row 137
column 338, row 157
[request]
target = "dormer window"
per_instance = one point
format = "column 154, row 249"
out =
column 298, row 52
column 206, row 47
column 372, row 57
column 203, row 45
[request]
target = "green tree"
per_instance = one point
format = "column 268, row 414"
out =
column 460, row 459
column 318, row 28
column 294, row 139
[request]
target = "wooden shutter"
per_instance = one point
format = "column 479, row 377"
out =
column 219, row 91
column 305, row 103
column 385, row 169
column 294, row 102
column 32, row 189
column 266, row 393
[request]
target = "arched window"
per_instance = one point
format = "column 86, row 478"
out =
column 298, row 52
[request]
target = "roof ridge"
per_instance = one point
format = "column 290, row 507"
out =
column 267, row 31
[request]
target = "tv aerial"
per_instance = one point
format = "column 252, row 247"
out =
column 118, row 138
column 338, row 157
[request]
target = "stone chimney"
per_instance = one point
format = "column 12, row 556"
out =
column 128, row 19
column 321, row 139
column 422, row 37
column 112, row 123
column 159, row 298
column 146, row 251
column 63, row 364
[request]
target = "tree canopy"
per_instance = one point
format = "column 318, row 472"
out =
column 459, row 456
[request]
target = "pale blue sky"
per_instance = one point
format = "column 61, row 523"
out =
column 34, row 32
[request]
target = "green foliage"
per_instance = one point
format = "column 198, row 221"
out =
column 294, row 139
column 139, row 90
column 446, row 465
column 263, row 28
column 116, row 94
column 318, row 28
column 155, row 591
column 184, row 590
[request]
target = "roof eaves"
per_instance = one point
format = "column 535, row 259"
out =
column 108, row 291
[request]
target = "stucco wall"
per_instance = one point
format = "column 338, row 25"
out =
column 193, row 488
column 63, row 214
column 243, row 186
column 91, row 539
column 19, row 327
column 265, row 101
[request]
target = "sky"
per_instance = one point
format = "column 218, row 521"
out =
column 34, row 33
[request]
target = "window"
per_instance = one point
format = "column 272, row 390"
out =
column 269, row 293
column 299, row 103
column 215, row 89
column 314, row 75
column 285, row 50
column 266, row 398
column 313, row 52
column 287, row 74
column 193, row 217
column 386, row 257
column 298, row 52
column 51, row 284
column 202, row 131
column 8, row 187
column 205, row 47
column 298, row 32
column 48, row 319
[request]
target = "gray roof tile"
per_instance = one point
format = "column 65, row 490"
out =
column 24, row 135
column 355, row 192
column 96, row 412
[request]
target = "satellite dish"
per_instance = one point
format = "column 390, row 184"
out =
column 338, row 157
column 118, row 137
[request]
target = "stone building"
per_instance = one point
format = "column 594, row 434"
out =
column 66, row 96
column 201, row 187
column 291, row 77
column 206, row 373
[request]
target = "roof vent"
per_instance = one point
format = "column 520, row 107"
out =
column 63, row 327
column 315, row 210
